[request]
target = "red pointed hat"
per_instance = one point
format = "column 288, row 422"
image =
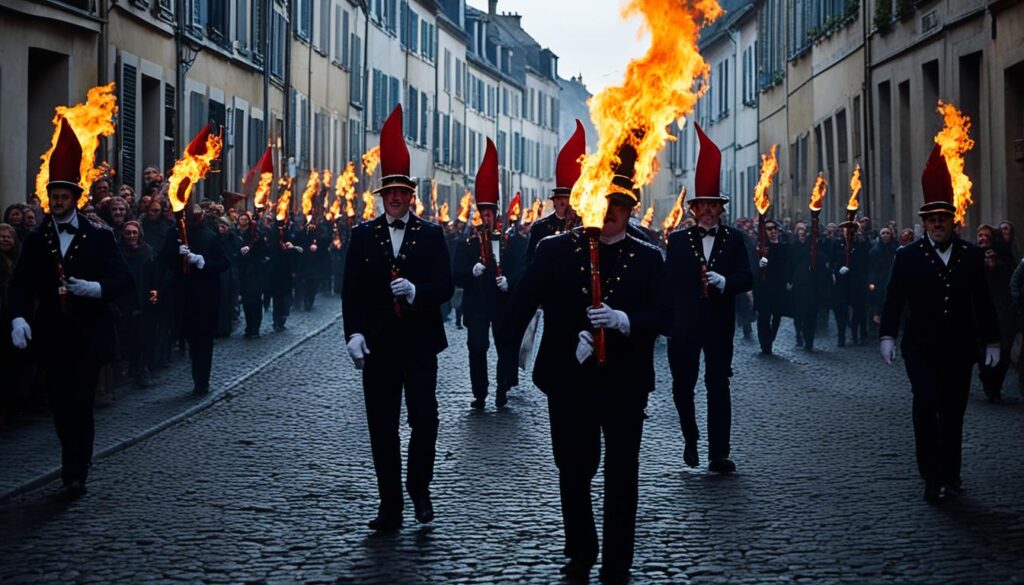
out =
column 515, row 208
column 198, row 144
column 622, row 180
column 709, row 164
column 266, row 162
column 66, row 159
column 567, row 170
column 486, row 186
column 394, row 154
column 937, row 185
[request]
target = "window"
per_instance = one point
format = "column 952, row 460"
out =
column 278, row 38
column 323, row 17
column 423, row 119
column 242, row 25
column 502, row 138
column 770, row 64
column 458, row 78
column 343, row 39
column 447, row 71
column 302, row 16
column 412, row 122
column 504, row 100
column 355, row 79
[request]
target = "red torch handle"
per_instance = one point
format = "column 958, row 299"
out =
column 61, row 294
column 398, row 302
column 595, row 297
column 762, row 250
column 814, row 240
column 847, row 237
column 184, row 240
column 704, row 281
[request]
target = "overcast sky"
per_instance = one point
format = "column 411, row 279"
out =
column 588, row 36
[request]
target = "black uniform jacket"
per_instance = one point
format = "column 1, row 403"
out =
column 949, row 305
column 481, row 297
column 543, row 228
column 199, row 291
column 559, row 279
column 690, row 316
column 85, row 325
column 368, row 307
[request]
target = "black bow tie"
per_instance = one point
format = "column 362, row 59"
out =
column 66, row 227
column 943, row 247
column 707, row 232
column 397, row 224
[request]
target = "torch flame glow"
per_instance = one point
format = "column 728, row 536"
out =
column 954, row 140
column 189, row 170
column 371, row 158
column 676, row 214
column 90, row 121
column 659, row 88
column 476, row 222
column 433, row 200
column 312, row 187
column 855, row 185
column 326, row 177
column 285, row 200
column 818, row 192
column 537, row 208
column 369, row 206
column 345, row 190
column 262, row 197
column 769, row 166
column 464, row 204
column 442, row 215
column 418, row 206
column 648, row 217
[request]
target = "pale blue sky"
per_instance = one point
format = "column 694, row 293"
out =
column 588, row 36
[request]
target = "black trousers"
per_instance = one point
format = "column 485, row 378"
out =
column 200, row 352
column 478, row 333
column 384, row 379
column 992, row 378
column 744, row 314
column 72, row 391
column 282, row 306
column 577, row 425
column 310, row 286
column 252, row 307
column 940, row 384
column 767, row 328
column 684, row 361
column 806, row 322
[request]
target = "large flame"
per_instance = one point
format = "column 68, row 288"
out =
column 90, row 121
column 855, row 185
column 769, row 166
column 818, row 192
column 327, row 176
column 434, row 210
column 418, row 206
column 659, row 89
column 535, row 210
column 954, row 140
column 262, row 197
column 189, row 170
column 371, row 158
column 676, row 214
column 369, row 206
column 345, row 192
column 442, row 214
column 476, row 221
column 312, row 187
column 528, row 216
column 648, row 217
column 464, row 204
column 285, row 200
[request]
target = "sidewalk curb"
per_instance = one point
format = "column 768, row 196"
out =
column 213, row 398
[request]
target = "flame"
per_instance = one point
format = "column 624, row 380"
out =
column 326, row 176
column 433, row 200
column 659, row 88
column 369, row 206
column 464, row 205
column 312, row 186
column 648, row 217
column 818, row 193
column 769, row 166
column 442, row 215
column 371, row 158
column 536, row 209
column 418, row 205
column 954, row 140
column 189, row 170
column 89, row 120
column 262, row 197
column 345, row 191
column 477, row 222
column 285, row 200
column 676, row 214
column 854, row 204
column 528, row 216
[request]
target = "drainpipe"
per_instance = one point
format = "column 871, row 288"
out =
column 866, row 116
column 179, row 70
column 734, row 37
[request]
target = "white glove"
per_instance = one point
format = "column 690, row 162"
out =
column 716, row 280
column 843, row 270
column 992, row 356
column 21, row 333
column 608, row 318
column 84, row 288
column 312, row 247
column 357, row 350
column 244, row 250
column 585, row 346
column 502, row 283
column 298, row 249
column 401, row 287
column 762, row 262
column 196, row 259
column 183, row 250
column 888, row 349
column 478, row 269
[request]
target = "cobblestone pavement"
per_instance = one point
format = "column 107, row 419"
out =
column 29, row 449
column 274, row 484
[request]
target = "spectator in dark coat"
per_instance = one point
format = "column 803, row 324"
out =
column 229, row 285
column 252, row 264
column 879, row 266
column 137, row 307
column 12, row 397
column 998, row 272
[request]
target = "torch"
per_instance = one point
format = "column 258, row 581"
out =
column 850, row 225
column 593, row 235
column 762, row 201
column 817, row 196
column 204, row 149
column 398, row 300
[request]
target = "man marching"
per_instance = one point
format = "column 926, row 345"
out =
column 398, row 275
column 567, row 171
column 70, row 270
column 707, row 266
column 940, row 279
column 587, row 400
column 478, row 262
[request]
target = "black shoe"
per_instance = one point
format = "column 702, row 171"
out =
column 75, row 488
column 614, row 577
column 954, row 489
column 477, row 403
column 933, row 492
column 842, row 342
column 690, row 455
column 200, row 391
column 424, row 509
column 799, row 341
column 722, row 466
column 766, row 351
column 251, row 335
column 502, row 398
column 576, row 570
column 385, row 522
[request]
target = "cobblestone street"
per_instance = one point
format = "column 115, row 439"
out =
column 274, row 483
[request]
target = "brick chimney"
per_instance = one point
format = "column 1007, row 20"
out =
column 492, row 8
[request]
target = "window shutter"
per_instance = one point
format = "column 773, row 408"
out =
column 127, row 131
